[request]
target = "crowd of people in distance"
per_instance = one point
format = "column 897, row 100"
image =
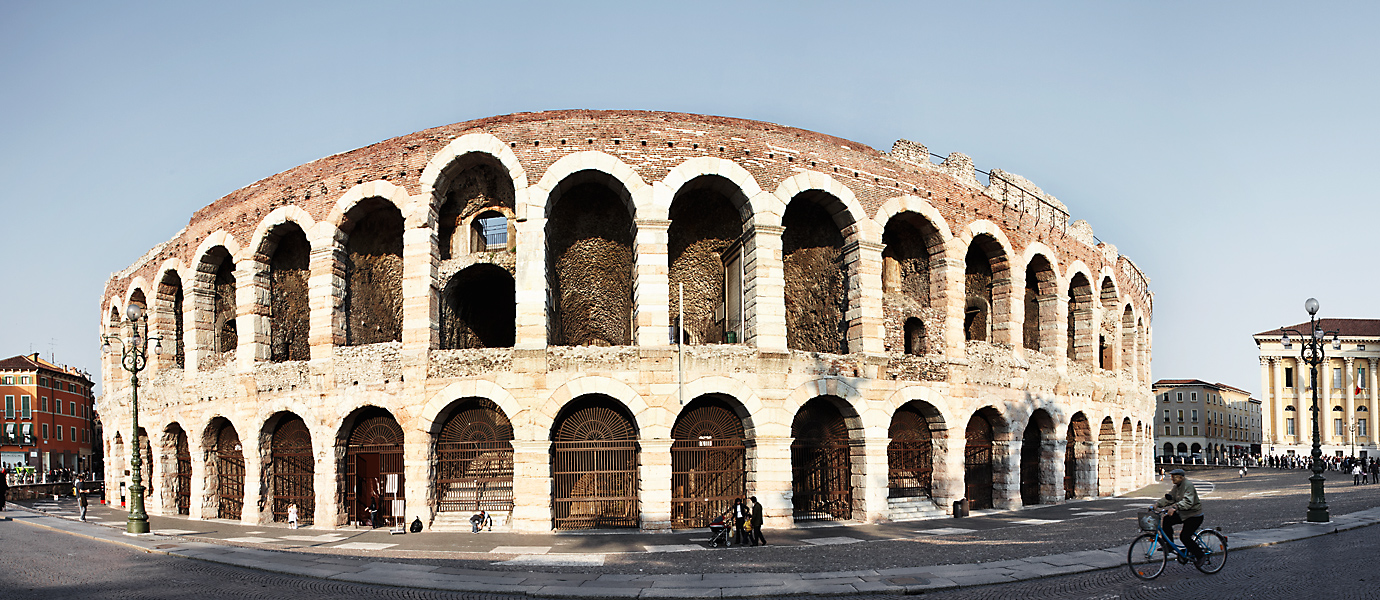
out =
column 1364, row 470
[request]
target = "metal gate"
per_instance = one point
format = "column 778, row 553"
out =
column 183, row 484
column 474, row 460
column 229, row 474
column 821, row 463
column 293, row 470
column 374, row 451
column 594, row 470
column 909, row 456
column 708, row 464
column 1030, row 465
column 977, row 463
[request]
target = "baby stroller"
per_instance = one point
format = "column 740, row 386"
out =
column 720, row 533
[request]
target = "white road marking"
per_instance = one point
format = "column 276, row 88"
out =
column 556, row 560
column 363, row 546
column 171, row 531
column 944, row 531
column 674, row 548
column 253, row 540
column 831, row 541
column 521, row 550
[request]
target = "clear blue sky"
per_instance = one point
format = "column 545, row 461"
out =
column 1228, row 148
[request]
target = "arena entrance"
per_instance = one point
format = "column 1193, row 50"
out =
column 1038, row 431
column 373, row 453
column 182, row 483
column 229, row 473
column 821, row 463
column 1079, row 437
column 294, row 470
column 474, row 460
column 977, row 461
column 910, row 455
column 594, row 466
column 708, row 462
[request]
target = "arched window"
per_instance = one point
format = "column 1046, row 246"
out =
column 489, row 232
column 915, row 336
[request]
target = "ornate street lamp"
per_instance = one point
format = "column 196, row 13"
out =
column 133, row 358
column 1311, row 351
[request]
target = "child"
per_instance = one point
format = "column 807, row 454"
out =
column 292, row 516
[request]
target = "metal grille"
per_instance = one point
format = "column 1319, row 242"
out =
column 708, row 464
column 373, row 452
column 182, row 486
column 293, row 470
column 594, row 470
column 821, row 464
column 229, row 475
column 909, row 456
column 1030, row 464
column 977, row 463
column 474, row 460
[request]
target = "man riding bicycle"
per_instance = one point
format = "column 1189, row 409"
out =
column 1184, row 507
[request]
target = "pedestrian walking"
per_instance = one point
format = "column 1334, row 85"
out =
column 1356, row 475
column 757, row 537
column 4, row 486
column 81, row 502
column 292, row 516
column 740, row 517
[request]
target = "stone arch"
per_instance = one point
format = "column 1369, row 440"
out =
column 438, row 167
column 1037, row 484
column 225, row 483
column 175, row 451
column 754, row 202
column 984, row 464
column 594, row 464
column 1080, row 336
column 281, row 273
column 914, row 291
column 474, row 185
column 430, row 419
column 370, row 232
column 479, row 308
column 848, row 214
column 470, row 453
column 1106, row 457
column 638, row 197
column 741, row 393
column 383, row 190
column 1041, row 296
column 168, row 315
column 710, row 462
column 591, row 260
column 708, row 220
column 262, row 242
column 1080, row 455
column 824, row 386
column 911, row 451
column 819, row 276
column 826, row 454
column 214, row 292
column 1128, row 338
column 369, row 442
column 877, row 417
column 988, row 283
column 135, row 288
column 651, row 422
column 287, row 455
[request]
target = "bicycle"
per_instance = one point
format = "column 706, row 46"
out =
column 1150, row 551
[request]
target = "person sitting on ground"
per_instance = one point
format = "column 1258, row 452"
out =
column 1183, row 507
column 479, row 520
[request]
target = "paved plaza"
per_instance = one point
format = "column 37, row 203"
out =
column 1021, row 548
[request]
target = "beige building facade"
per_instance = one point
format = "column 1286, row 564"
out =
column 485, row 315
column 1205, row 422
column 1345, row 384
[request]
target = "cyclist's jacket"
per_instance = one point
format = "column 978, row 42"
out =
column 1184, row 498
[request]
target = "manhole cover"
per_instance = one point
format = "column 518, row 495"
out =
column 908, row 581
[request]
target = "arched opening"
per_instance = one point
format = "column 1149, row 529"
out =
column 816, row 277
column 292, row 469
column 1183, row 449
column 289, row 312
column 477, row 189
column 479, row 309
column 978, row 461
column 1080, row 330
column 1076, row 453
column 1041, row 293
column 373, row 467
column 168, row 311
column 1128, row 453
column 1196, row 449
column 589, row 234
column 821, row 462
column 1168, row 449
column 594, row 460
column 373, row 270
column 1034, row 468
column 216, row 274
column 474, row 459
column 1106, row 340
column 912, row 247
column 182, row 464
column 1128, row 339
column 708, row 461
column 915, row 336
column 910, row 453
column 985, row 287
column 1106, row 458
column 706, row 258
column 224, row 470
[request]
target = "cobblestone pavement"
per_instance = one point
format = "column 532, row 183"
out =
column 1041, row 542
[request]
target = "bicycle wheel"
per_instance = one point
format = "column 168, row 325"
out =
column 1146, row 557
column 1215, row 545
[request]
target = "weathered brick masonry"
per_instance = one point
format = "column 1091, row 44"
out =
column 487, row 310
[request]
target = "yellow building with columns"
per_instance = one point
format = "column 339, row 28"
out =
column 1346, row 390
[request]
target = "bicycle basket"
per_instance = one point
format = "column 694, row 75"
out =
column 1148, row 521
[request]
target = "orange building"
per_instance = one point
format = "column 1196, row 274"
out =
column 49, row 415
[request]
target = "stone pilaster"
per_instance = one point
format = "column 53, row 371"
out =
column 651, row 301
column 1349, row 406
column 654, row 472
column 764, row 291
column 255, row 488
column 774, row 489
column 865, row 325
column 1006, row 474
column 532, row 485
column 530, row 284
column 947, row 478
column 252, row 324
column 875, row 478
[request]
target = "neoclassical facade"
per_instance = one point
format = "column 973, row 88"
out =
column 587, row 319
column 1346, row 390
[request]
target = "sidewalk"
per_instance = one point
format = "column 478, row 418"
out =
column 323, row 553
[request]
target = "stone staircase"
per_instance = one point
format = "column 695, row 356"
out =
column 913, row 509
column 460, row 521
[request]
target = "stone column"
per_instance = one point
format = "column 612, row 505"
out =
column 1325, row 403
column 1349, row 409
column 1277, row 392
column 1303, row 426
column 1058, row 333
column 1371, row 402
column 876, row 478
column 530, row 284
column 764, row 291
column 947, row 483
column 421, row 310
column 865, row 325
column 950, row 272
column 651, row 304
column 654, row 484
column 255, row 488
column 1267, row 399
column 416, row 489
column 1006, row 476
column 532, row 485
column 1052, row 471
column 252, row 324
column 327, row 477
column 774, row 489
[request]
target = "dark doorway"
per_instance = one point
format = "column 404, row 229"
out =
column 474, row 460
column 910, row 455
column 374, row 467
column 294, row 470
column 821, row 463
column 182, row 485
column 977, row 462
column 229, row 467
column 708, row 462
column 594, row 466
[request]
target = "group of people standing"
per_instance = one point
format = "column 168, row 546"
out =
column 1363, row 470
column 747, row 522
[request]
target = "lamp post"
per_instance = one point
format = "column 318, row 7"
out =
column 1352, row 429
column 133, row 358
column 1311, row 351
